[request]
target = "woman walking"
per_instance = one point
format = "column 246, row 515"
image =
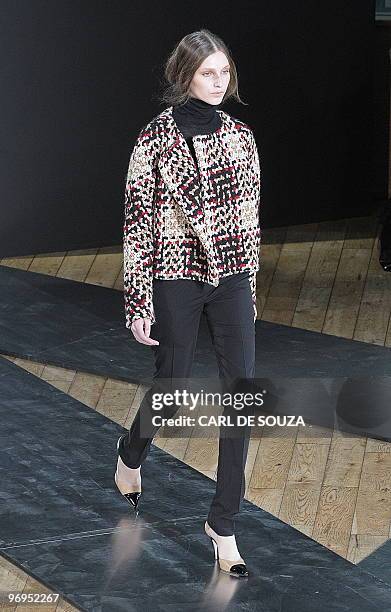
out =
column 191, row 245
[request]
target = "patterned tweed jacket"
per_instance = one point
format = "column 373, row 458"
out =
column 187, row 220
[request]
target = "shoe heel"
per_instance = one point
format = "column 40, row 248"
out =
column 215, row 548
column 119, row 441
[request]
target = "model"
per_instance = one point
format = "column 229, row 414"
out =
column 191, row 245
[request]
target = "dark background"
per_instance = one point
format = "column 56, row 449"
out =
column 80, row 78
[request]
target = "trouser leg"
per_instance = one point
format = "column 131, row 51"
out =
column 230, row 320
column 178, row 306
column 229, row 312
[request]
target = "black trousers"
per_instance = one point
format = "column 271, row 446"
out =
column 178, row 306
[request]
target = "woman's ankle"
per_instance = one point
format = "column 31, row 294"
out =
column 127, row 464
column 219, row 532
column 125, row 470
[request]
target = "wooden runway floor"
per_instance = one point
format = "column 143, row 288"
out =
column 322, row 277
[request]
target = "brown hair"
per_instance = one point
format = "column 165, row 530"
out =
column 186, row 58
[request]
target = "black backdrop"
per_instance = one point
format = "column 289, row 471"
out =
column 80, row 78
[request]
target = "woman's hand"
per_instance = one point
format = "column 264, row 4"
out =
column 141, row 328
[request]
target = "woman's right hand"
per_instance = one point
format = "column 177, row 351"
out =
column 141, row 328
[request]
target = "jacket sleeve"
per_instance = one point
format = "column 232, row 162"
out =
column 256, row 171
column 137, row 230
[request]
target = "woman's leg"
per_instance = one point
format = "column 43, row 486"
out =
column 178, row 306
column 230, row 319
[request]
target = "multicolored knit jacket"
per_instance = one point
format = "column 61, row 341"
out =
column 187, row 220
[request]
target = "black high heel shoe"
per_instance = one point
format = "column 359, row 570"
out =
column 131, row 496
column 235, row 568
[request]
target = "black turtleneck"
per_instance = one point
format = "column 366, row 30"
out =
column 196, row 117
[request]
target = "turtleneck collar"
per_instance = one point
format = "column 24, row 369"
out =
column 197, row 111
column 197, row 116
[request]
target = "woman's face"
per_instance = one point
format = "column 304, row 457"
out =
column 211, row 79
